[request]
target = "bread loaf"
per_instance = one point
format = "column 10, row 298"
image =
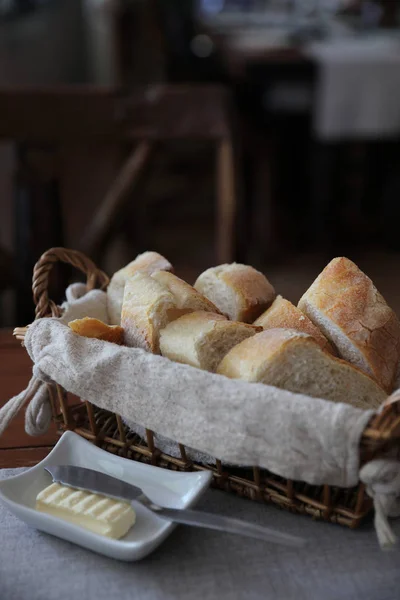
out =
column 239, row 291
column 294, row 361
column 283, row 314
column 148, row 262
column 344, row 303
column 151, row 302
column 202, row 339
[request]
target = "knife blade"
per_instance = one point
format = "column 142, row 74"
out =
column 99, row 483
column 94, row 481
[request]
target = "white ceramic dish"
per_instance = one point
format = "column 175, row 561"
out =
column 168, row 488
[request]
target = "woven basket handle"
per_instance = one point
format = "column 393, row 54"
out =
column 95, row 278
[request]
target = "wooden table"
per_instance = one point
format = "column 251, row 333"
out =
column 17, row 449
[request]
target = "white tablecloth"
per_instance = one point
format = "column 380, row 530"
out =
column 358, row 88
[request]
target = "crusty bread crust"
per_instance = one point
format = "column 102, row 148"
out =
column 245, row 359
column 265, row 358
column 252, row 291
column 348, row 299
column 201, row 339
column 145, row 311
column 152, row 301
column 284, row 314
column 94, row 328
column 147, row 262
column 186, row 296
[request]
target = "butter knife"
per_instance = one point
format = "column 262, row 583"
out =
column 99, row 483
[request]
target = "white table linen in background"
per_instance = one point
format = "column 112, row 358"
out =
column 358, row 88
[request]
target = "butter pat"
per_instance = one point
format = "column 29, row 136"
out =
column 108, row 517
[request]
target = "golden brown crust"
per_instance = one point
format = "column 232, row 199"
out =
column 239, row 291
column 201, row 339
column 253, row 287
column 347, row 297
column 185, row 294
column 257, row 350
column 249, row 359
column 145, row 311
column 93, row 328
column 284, row 314
column 148, row 262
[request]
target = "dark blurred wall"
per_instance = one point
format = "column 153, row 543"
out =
column 43, row 46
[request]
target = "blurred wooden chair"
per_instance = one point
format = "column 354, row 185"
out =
column 162, row 113
column 39, row 120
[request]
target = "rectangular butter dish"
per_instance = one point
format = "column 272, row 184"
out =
column 168, row 488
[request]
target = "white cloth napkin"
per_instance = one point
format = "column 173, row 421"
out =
column 358, row 90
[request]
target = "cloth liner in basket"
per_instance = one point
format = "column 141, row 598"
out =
column 291, row 435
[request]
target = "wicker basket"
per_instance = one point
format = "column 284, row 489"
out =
column 106, row 430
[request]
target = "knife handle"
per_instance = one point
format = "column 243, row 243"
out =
column 226, row 524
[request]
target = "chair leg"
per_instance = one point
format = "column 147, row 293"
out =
column 102, row 223
column 226, row 202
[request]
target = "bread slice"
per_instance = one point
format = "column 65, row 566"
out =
column 239, row 291
column 284, row 314
column 152, row 301
column 148, row 262
column 145, row 311
column 187, row 298
column 294, row 361
column 93, row 328
column 202, row 339
column 344, row 303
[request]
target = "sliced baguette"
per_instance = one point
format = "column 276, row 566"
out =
column 344, row 303
column 186, row 297
column 151, row 302
column 284, row 314
column 148, row 262
column 93, row 328
column 239, row 291
column 146, row 310
column 202, row 339
column 294, row 361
